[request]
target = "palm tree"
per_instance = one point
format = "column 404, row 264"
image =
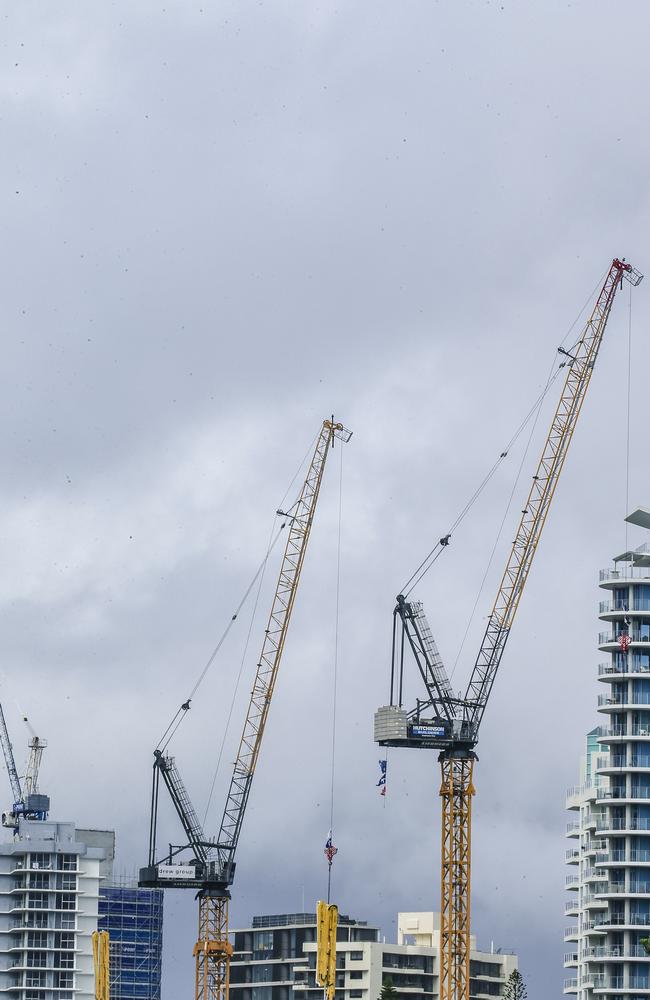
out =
column 388, row 991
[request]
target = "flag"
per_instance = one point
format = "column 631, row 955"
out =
column 330, row 850
column 383, row 765
column 624, row 641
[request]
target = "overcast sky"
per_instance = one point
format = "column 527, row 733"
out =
column 222, row 223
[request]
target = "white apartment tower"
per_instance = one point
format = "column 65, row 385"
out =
column 610, row 852
column 49, row 892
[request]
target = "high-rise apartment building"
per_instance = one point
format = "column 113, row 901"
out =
column 49, row 893
column 275, row 959
column 610, row 852
column 56, row 888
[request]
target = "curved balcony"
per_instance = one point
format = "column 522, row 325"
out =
column 636, row 796
column 592, row 900
column 609, row 579
column 570, row 934
column 620, row 762
column 621, row 827
column 609, row 642
column 623, row 703
column 614, row 734
column 617, row 889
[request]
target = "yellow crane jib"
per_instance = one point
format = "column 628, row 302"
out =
column 101, row 962
column 450, row 723
column 327, row 918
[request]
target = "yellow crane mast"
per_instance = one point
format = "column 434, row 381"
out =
column 210, row 869
column 451, row 724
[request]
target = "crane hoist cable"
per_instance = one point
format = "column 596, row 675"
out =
column 226, row 728
column 337, row 616
column 440, row 546
column 181, row 712
column 502, row 525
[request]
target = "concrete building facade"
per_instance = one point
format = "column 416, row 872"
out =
column 610, row 851
column 275, row 959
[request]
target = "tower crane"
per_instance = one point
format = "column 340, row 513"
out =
column 210, row 865
column 27, row 801
column 448, row 723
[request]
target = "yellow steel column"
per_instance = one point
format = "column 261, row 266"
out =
column 456, row 791
column 213, row 949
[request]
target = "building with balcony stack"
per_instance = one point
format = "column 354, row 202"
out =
column 49, row 892
column 56, row 888
column 275, row 959
column 609, row 856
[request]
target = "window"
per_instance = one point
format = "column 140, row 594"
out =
column 64, row 960
column 36, row 920
column 64, row 940
column 35, row 979
column 39, row 880
column 64, row 980
column 35, row 995
column 263, row 941
column 356, row 975
column 37, row 900
column 37, row 939
column 356, row 956
column 356, row 993
column 66, row 920
column 66, row 901
column 36, row 959
column 40, row 860
column 68, row 862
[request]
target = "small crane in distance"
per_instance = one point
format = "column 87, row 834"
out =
column 210, row 867
column 28, row 802
column 448, row 723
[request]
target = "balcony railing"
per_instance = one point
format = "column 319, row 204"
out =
column 638, row 604
column 620, row 823
column 629, row 573
column 636, row 698
column 634, row 730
